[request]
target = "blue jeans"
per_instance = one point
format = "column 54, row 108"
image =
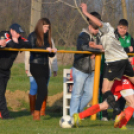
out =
column 33, row 86
column 82, row 91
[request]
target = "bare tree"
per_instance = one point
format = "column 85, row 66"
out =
column 124, row 9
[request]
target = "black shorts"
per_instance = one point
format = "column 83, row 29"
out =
column 115, row 70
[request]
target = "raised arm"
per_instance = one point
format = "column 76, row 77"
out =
column 91, row 17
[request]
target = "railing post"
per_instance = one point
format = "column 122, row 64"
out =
column 96, row 82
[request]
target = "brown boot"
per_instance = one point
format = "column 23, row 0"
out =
column 36, row 115
column 43, row 107
column 32, row 99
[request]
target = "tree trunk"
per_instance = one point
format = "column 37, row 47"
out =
column 124, row 9
column 35, row 13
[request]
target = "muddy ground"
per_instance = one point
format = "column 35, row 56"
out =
column 15, row 100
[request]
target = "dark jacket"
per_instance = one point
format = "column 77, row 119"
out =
column 7, row 57
column 117, row 35
column 82, row 62
column 39, row 57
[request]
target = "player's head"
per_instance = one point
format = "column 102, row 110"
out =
column 93, row 28
column 95, row 14
column 122, row 27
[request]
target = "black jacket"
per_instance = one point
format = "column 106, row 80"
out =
column 7, row 57
column 82, row 62
column 39, row 57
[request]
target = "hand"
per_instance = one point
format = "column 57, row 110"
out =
column 15, row 40
column 130, row 49
column 92, row 56
column 54, row 50
column 49, row 49
column 26, row 71
column 92, row 44
column 3, row 43
column 83, row 7
column 54, row 73
column 130, row 59
column 102, row 50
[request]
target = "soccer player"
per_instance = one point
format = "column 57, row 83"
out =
column 122, row 88
column 127, row 43
column 117, row 65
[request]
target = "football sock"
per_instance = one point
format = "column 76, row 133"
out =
column 90, row 111
column 128, row 114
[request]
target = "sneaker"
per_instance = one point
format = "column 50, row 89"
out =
column 104, row 119
column 123, row 127
column 7, row 118
column 118, row 119
column 77, row 119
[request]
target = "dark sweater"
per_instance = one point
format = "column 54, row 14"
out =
column 39, row 57
column 7, row 57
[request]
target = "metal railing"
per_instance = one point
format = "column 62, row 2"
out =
column 97, row 68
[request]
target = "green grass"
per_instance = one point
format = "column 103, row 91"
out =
column 20, row 81
column 23, row 123
column 73, row 48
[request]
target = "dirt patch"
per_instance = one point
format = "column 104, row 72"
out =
column 55, row 100
column 15, row 100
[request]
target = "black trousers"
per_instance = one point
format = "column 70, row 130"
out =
column 40, row 72
column 3, row 105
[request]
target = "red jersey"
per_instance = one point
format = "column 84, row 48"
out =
column 122, row 85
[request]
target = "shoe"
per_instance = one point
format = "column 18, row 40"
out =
column 124, row 128
column 7, row 118
column 118, row 119
column 77, row 120
column 104, row 119
column 36, row 115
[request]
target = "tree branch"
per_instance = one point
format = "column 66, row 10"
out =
column 78, row 9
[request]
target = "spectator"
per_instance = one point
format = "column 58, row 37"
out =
column 13, row 39
column 33, row 85
column 39, row 65
column 83, row 68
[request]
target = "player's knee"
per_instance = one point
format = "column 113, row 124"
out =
column 110, row 98
column 132, row 104
column 104, row 90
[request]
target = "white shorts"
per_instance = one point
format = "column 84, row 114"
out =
column 127, row 92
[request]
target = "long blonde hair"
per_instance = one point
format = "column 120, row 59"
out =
column 40, row 33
